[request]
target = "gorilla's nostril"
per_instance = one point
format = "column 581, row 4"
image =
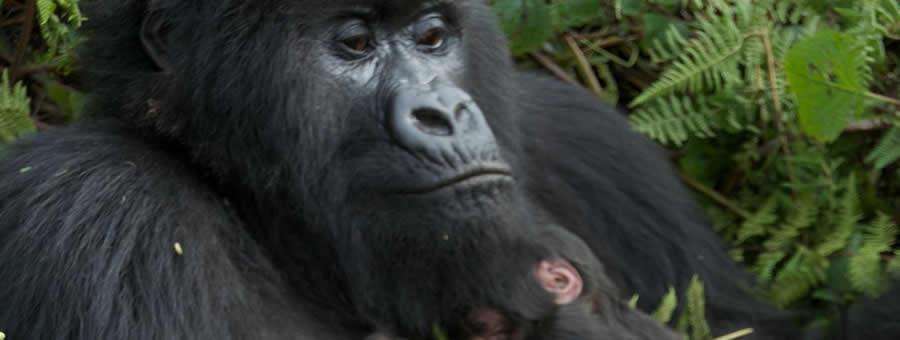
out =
column 458, row 111
column 433, row 122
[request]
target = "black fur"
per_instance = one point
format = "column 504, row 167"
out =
column 874, row 318
column 263, row 167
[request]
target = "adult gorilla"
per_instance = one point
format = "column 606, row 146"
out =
column 330, row 168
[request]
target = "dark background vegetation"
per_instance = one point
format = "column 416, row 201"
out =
column 783, row 115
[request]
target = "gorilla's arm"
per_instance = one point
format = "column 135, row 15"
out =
column 875, row 318
column 88, row 223
column 614, row 189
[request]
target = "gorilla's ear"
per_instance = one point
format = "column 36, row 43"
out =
column 154, row 38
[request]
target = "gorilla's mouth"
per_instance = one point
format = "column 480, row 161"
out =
column 484, row 175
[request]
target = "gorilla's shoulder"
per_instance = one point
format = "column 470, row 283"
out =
column 88, row 175
column 89, row 222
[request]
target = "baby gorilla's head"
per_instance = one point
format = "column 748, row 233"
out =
column 557, row 276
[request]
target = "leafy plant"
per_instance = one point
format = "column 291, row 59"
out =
column 784, row 115
column 785, row 118
column 36, row 63
column 15, row 110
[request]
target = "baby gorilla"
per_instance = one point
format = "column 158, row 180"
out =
column 564, row 296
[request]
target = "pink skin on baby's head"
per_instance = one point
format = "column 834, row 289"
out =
column 561, row 279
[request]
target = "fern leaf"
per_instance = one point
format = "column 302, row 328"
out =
column 667, row 306
column 865, row 270
column 633, row 301
column 887, row 151
column 847, row 219
column 675, row 119
column 15, row 111
column 45, row 9
column 893, row 266
column 696, row 310
column 759, row 223
column 765, row 265
column 800, row 274
column 803, row 215
column 888, row 15
column 709, row 62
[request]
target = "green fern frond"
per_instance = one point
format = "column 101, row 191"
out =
column 887, row 151
column 669, row 47
column 709, row 62
column 865, row 270
column 633, row 301
column 888, row 16
column 893, row 266
column 800, row 274
column 760, row 222
column 667, row 307
column 847, row 218
column 791, row 12
column 15, row 111
column 54, row 29
column 675, row 119
column 803, row 215
column 45, row 9
column 694, row 316
column 766, row 264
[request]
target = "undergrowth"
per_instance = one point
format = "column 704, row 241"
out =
column 783, row 115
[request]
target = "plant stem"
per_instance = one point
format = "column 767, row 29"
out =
column 735, row 335
column 715, row 196
column 24, row 38
column 776, row 102
column 585, row 67
column 545, row 61
column 883, row 98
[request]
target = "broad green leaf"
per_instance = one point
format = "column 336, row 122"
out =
column 632, row 8
column 69, row 100
column 527, row 23
column 823, row 73
column 568, row 13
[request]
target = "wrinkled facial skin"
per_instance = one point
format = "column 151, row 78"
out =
column 422, row 165
column 386, row 140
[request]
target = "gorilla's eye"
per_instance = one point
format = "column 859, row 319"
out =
column 434, row 38
column 432, row 33
column 358, row 44
column 355, row 38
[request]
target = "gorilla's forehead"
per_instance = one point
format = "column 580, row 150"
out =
column 392, row 7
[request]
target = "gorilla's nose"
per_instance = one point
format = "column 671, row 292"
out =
column 443, row 119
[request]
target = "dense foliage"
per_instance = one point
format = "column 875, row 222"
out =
column 784, row 115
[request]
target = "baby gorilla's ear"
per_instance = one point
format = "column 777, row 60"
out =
column 560, row 278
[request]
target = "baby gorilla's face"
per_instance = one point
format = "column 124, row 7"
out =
column 557, row 276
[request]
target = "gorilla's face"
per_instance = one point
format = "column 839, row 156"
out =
column 385, row 123
column 414, row 135
column 391, row 102
column 418, row 169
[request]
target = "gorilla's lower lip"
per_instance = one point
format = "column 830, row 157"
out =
column 487, row 175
